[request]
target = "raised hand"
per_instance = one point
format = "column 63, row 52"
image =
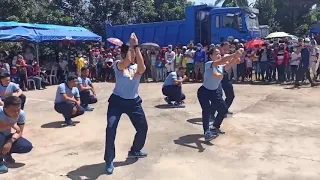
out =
column 134, row 39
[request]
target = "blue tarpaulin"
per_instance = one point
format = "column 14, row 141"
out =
column 62, row 34
column 50, row 32
column 17, row 34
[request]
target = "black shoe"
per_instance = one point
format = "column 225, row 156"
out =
column 70, row 123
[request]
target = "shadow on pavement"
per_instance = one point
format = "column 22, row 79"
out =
column 197, row 121
column 163, row 106
column 92, row 172
column 192, row 141
column 57, row 124
column 15, row 165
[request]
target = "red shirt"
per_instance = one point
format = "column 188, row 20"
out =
column 23, row 64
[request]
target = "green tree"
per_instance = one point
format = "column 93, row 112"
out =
column 233, row 3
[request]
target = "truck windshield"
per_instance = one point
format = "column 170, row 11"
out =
column 252, row 22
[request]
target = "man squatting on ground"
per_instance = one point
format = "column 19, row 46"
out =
column 67, row 101
column 172, row 88
column 8, row 88
column 12, row 116
column 85, row 86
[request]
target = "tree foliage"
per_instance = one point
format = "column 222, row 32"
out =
column 292, row 16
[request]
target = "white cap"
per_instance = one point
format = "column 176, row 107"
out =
column 236, row 40
column 307, row 40
column 110, row 60
column 184, row 47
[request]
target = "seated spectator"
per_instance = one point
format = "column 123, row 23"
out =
column 8, row 88
column 85, row 86
column 67, row 101
column 40, row 83
column 172, row 88
column 11, row 116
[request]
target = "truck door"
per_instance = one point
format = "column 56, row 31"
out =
column 228, row 27
column 203, row 28
column 215, row 28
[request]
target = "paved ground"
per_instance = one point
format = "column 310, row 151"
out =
column 273, row 135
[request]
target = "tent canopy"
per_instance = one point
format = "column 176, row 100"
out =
column 62, row 34
column 17, row 34
column 50, row 32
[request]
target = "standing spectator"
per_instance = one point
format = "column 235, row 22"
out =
column 199, row 60
column 190, row 61
column 22, row 69
column 147, row 74
column 314, row 51
column 109, row 69
column 178, row 59
column 153, row 58
column 80, row 63
column 271, row 71
column 184, row 58
column 255, row 63
column 294, row 63
column 242, row 66
column 263, row 60
column 170, row 58
column 304, row 64
column 248, row 62
column 281, row 58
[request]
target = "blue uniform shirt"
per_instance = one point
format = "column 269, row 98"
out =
column 305, row 56
column 170, row 78
column 11, row 88
column 200, row 56
column 20, row 120
column 64, row 89
column 84, row 81
column 209, row 81
column 127, row 83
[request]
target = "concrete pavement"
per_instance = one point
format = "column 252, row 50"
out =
column 273, row 135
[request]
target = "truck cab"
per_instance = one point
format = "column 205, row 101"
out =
column 216, row 24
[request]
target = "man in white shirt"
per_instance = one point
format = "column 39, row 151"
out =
column 314, row 55
column 170, row 58
column 190, row 61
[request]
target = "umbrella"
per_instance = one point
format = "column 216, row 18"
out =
column 150, row 45
column 115, row 41
column 254, row 43
column 278, row 35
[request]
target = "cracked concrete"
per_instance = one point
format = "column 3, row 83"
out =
column 273, row 135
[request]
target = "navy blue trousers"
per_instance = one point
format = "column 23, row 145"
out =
column 228, row 90
column 20, row 146
column 211, row 99
column 86, row 98
column 173, row 93
column 132, row 107
column 65, row 108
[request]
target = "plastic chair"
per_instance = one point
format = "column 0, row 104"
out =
column 29, row 81
column 53, row 76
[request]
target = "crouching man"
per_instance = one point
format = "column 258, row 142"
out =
column 12, row 116
column 85, row 86
column 8, row 88
column 67, row 100
column 172, row 88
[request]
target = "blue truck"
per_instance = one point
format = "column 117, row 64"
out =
column 203, row 24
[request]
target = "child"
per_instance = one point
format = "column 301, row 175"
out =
column 248, row 62
column 14, row 75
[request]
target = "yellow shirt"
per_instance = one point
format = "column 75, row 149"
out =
column 80, row 62
column 184, row 62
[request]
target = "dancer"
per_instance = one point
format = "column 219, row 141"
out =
column 226, row 82
column 210, row 93
column 125, row 99
column 172, row 88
